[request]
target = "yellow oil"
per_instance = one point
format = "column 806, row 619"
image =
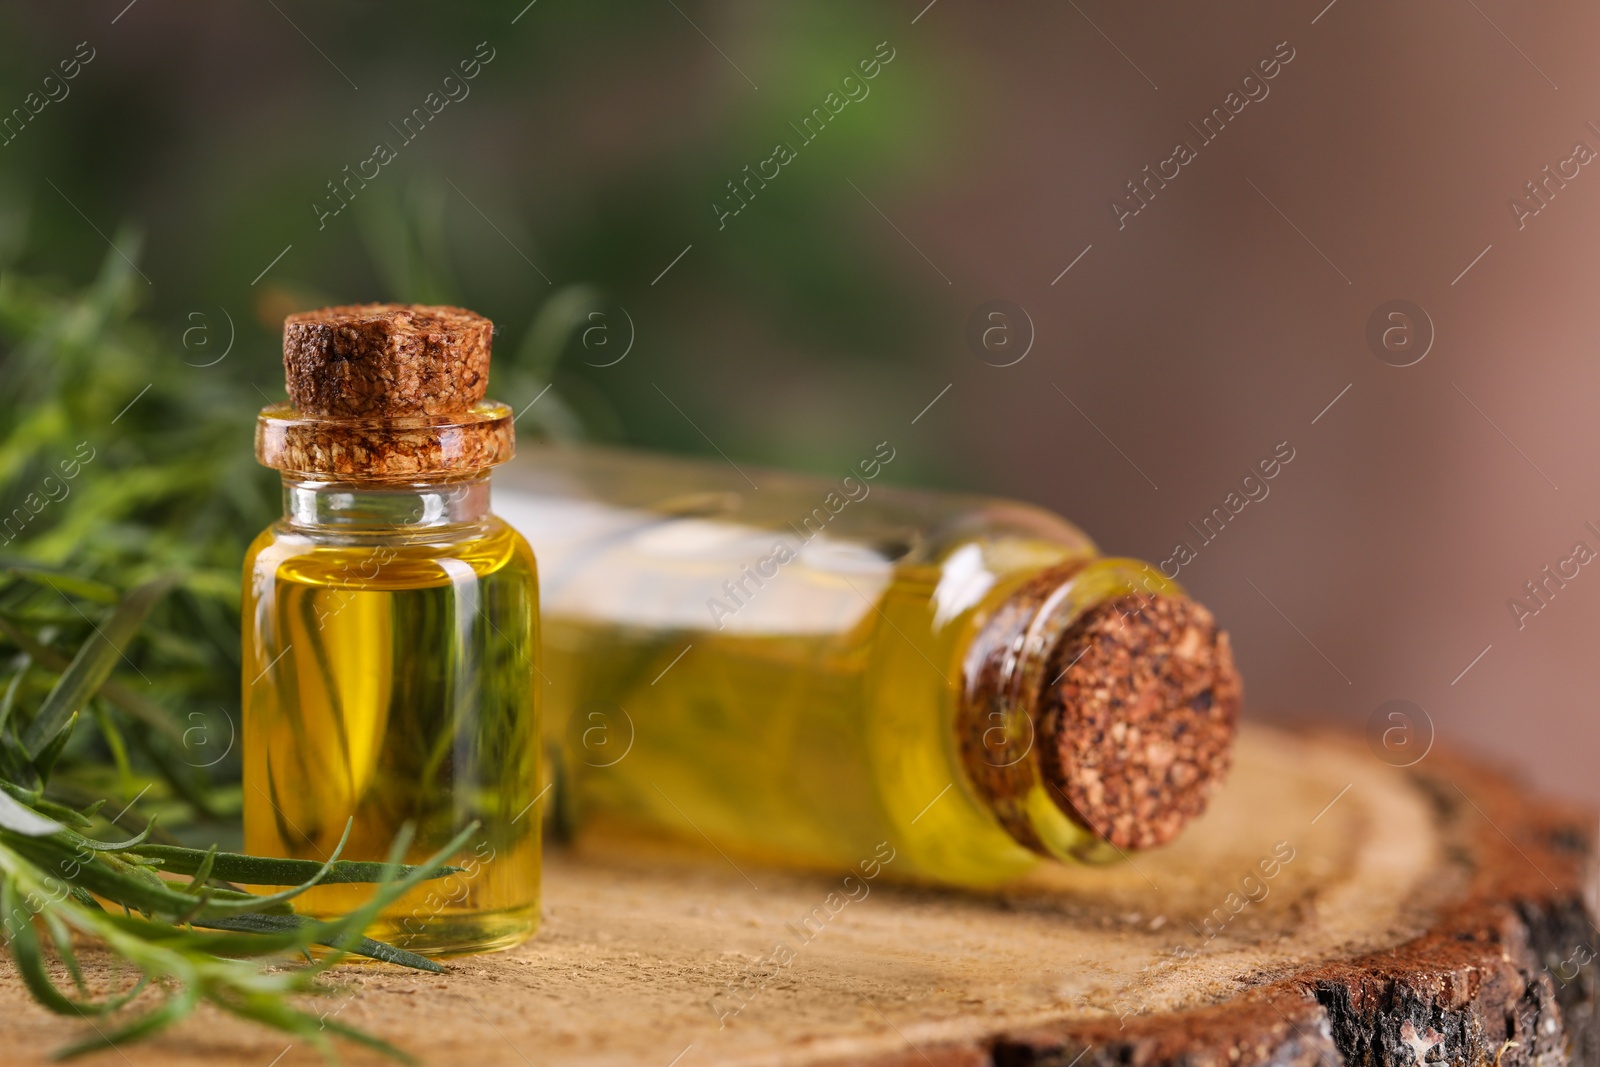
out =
column 814, row 724
column 392, row 681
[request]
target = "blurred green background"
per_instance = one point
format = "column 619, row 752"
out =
column 166, row 196
column 200, row 137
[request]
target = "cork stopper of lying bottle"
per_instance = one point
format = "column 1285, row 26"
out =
column 385, row 392
column 1098, row 715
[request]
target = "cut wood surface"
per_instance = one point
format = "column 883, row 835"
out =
column 1328, row 909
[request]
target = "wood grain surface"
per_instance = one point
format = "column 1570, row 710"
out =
column 1329, row 909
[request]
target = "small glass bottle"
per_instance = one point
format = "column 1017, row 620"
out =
column 390, row 627
column 809, row 670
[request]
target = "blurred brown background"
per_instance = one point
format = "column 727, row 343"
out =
column 1220, row 321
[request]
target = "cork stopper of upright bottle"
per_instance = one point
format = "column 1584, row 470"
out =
column 386, row 360
column 386, row 392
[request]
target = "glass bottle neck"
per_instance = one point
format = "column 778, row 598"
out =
column 1006, row 671
column 327, row 506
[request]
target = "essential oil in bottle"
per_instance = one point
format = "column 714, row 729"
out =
column 390, row 627
column 813, row 669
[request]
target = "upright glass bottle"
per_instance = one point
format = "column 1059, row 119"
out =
column 390, row 626
column 804, row 669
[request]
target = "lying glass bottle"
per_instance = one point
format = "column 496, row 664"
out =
column 802, row 671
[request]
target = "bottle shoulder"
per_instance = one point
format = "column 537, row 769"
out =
column 389, row 560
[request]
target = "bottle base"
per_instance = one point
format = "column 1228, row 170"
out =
column 466, row 934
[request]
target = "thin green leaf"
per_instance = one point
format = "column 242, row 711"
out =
column 14, row 766
column 203, row 875
column 9, row 701
column 361, row 1037
column 92, row 664
column 142, row 708
column 248, row 936
column 270, row 1011
column 204, row 939
column 25, row 952
column 305, row 929
column 137, row 887
column 24, row 820
column 114, row 742
column 260, row 870
column 59, row 812
column 393, row 889
column 45, row 760
column 132, row 887
column 61, row 937
column 113, row 846
column 178, row 1004
column 61, row 580
column 555, row 323
column 30, row 960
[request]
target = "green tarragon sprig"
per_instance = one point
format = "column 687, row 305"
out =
column 175, row 913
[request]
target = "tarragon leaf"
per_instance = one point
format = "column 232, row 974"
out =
column 92, row 664
column 20, row 819
column 260, row 870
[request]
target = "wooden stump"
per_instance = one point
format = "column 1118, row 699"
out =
column 1330, row 910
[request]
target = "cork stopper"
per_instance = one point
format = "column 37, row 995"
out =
column 1135, row 733
column 386, row 360
column 385, row 392
column 1095, row 721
